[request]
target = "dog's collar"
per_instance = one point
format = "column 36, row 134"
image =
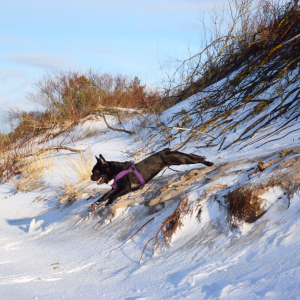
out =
column 125, row 172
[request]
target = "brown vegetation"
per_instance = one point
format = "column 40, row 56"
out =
column 67, row 97
column 244, row 205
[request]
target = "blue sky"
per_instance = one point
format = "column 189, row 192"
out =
column 134, row 37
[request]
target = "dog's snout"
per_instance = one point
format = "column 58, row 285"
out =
column 94, row 177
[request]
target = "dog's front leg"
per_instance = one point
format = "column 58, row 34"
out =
column 109, row 197
column 118, row 193
column 103, row 198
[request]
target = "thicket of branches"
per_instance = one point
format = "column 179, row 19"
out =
column 253, row 68
column 70, row 96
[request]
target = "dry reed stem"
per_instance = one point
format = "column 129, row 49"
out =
column 145, row 248
column 82, row 165
column 135, row 233
column 36, row 164
column 50, row 149
column 169, row 226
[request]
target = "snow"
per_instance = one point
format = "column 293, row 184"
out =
column 47, row 251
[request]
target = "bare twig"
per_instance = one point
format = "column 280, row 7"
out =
column 206, row 146
column 145, row 248
column 278, row 138
column 135, row 233
column 198, row 131
column 114, row 129
column 49, row 149
column 224, row 138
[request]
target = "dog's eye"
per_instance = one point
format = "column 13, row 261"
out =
column 96, row 172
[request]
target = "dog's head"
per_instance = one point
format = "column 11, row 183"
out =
column 100, row 171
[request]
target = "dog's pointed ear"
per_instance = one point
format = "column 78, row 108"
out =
column 97, row 158
column 102, row 160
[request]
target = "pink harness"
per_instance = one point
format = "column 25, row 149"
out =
column 125, row 172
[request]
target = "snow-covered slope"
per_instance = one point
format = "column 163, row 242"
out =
column 48, row 251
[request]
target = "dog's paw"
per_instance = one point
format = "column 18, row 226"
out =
column 91, row 212
column 91, row 208
column 94, row 206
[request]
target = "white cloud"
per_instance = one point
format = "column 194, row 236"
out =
column 8, row 74
column 42, row 60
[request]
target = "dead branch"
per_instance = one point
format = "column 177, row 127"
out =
column 206, row 146
column 257, row 63
column 50, row 149
column 60, row 132
column 224, row 138
column 163, row 130
column 169, row 140
column 292, row 39
column 135, row 233
column 145, row 248
column 111, row 128
column 178, row 147
column 278, row 138
column 195, row 130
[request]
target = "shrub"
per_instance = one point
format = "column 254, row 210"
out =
column 70, row 96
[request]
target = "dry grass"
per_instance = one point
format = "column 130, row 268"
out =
column 92, row 132
column 67, row 192
column 245, row 204
column 15, row 184
column 36, row 164
column 81, row 164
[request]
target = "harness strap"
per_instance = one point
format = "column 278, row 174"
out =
column 125, row 172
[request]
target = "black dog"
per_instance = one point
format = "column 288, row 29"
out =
column 104, row 171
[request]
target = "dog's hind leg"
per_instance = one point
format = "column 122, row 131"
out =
column 179, row 158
